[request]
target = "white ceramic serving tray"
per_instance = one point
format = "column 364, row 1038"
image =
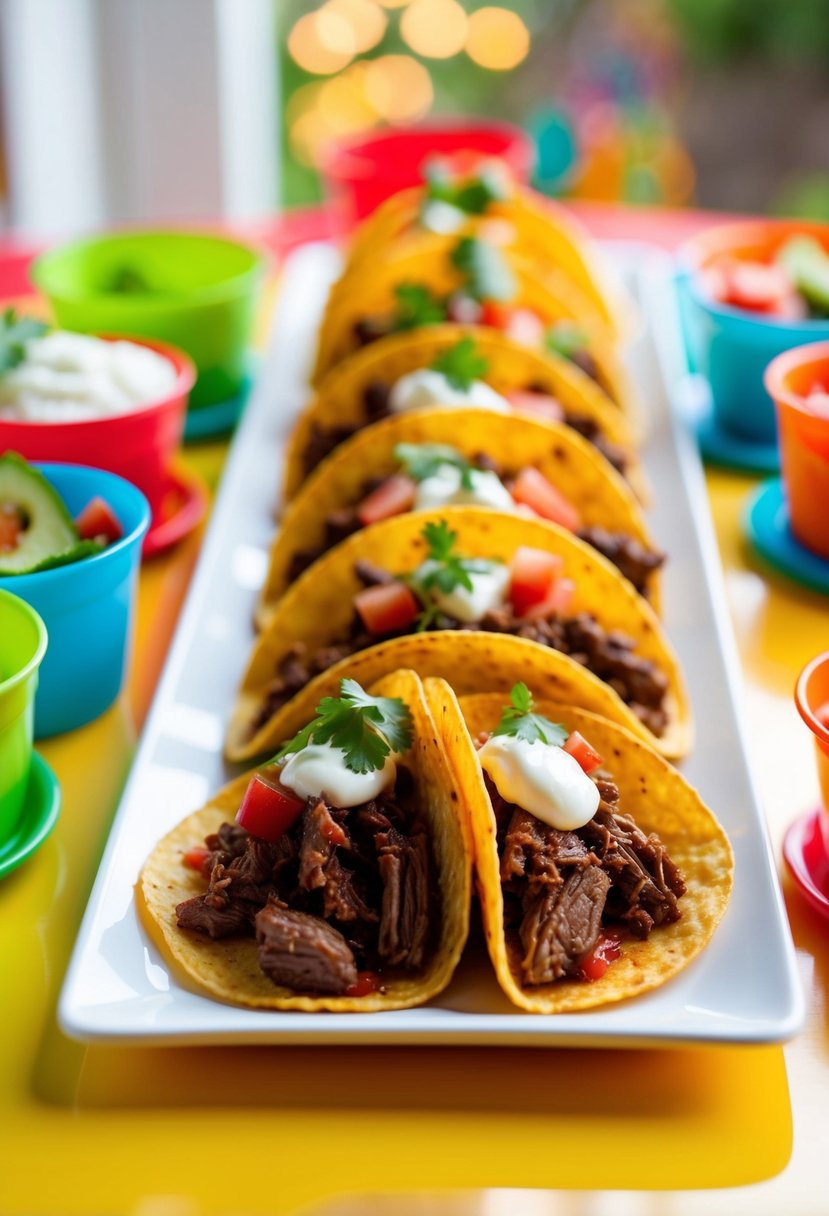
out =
column 743, row 988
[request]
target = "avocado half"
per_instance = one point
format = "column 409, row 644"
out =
column 50, row 537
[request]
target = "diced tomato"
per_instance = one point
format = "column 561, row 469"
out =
column 533, row 573
column 525, row 326
column 495, row 314
column 11, row 525
column 463, row 310
column 607, row 950
column 581, row 750
column 393, row 497
column 540, row 405
column 267, row 810
column 557, row 603
column 98, row 519
column 534, row 490
column 196, row 857
column 754, row 286
column 387, row 608
column 367, row 983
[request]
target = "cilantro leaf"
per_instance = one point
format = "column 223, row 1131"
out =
column 447, row 570
column 366, row 728
column 519, row 720
column 416, row 305
column 472, row 195
column 461, row 364
column 566, row 338
column 487, row 275
column 15, row 332
column 422, row 460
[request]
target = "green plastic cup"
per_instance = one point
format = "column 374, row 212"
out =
column 192, row 290
column 22, row 647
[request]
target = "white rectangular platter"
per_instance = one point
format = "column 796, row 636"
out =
column 743, row 988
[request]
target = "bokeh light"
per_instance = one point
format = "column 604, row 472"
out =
column 398, row 87
column 497, row 39
column 394, row 3
column 436, row 29
column 321, row 42
column 365, row 19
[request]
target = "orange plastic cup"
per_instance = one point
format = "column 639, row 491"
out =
column 804, row 440
column 811, row 696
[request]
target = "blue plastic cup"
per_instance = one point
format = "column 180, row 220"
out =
column 88, row 607
column 732, row 347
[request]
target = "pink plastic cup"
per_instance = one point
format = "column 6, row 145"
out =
column 361, row 173
column 138, row 445
column 811, row 695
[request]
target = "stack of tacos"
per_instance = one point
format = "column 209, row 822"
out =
column 460, row 663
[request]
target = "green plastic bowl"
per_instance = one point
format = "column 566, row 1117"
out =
column 22, row 647
column 192, row 290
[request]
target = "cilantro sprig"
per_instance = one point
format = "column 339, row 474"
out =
column 422, row 460
column 366, row 728
column 519, row 720
column 472, row 195
column 443, row 571
column 487, row 275
column 566, row 338
column 416, row 305
column 461, row 364
column 15, row 332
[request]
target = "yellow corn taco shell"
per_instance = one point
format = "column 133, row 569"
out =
column 339, row 401
column 228, row 970
column 545, row 232
column 602, row 498
column 552, row 299
column 658, row 798
column 317, row 610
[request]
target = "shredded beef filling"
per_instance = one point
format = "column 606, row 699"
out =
column 342, row 891
column 562, row 888
column 322, row 440
column 609, row 654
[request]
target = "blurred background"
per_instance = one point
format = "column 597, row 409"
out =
column 125, row 110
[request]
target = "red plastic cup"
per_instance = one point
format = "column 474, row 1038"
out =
column 138, row 445
column 811, row 696
column 804, row 440
column 361, row 173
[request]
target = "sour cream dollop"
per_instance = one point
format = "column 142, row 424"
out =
column 427, row 387
column 320, row 771
column 68, row 377
column 488, row 591
column 444, row 486
column 545, row 780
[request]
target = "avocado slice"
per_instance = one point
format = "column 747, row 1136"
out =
column 50, row 537
column 806, row 261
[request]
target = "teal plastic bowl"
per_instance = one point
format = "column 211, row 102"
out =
column 88, row 606
column 195, row 291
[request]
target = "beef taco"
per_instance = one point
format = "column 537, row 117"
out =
column 369, row 604
column 336, row 877
column 470, row 281
column 600, row 871
column 406, row 372
column 424, row 460
column 488, row 200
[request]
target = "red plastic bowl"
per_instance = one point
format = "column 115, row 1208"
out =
column 138, row 445
column 360, row 174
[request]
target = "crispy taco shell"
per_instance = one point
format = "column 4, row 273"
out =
column 317, row 610
column 552, row 299
column 546, row 232
column 228, row 970
column 600, row 494
column 339, row 401
column 658, row 798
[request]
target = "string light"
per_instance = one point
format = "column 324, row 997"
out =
column 497, row 39
column 398, row 87
column 365, row 19
column 321, row 43
column 436, row 29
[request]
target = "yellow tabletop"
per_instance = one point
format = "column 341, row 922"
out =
column 183, row 1131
